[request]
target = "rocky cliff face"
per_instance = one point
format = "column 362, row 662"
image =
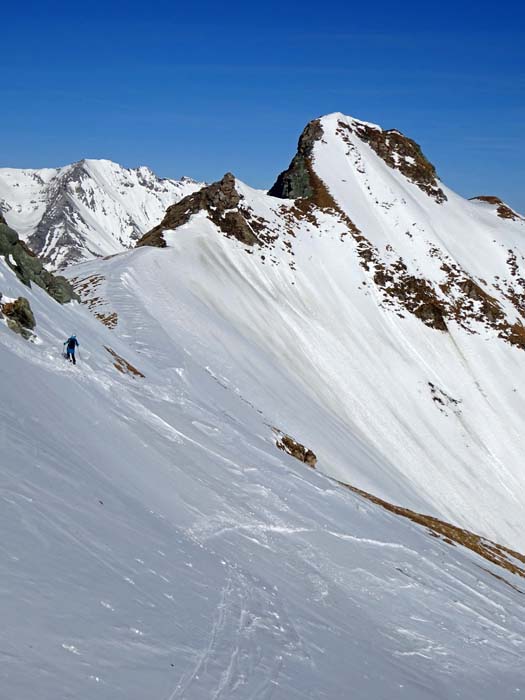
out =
column 28, row 268
column 298, row 180
column 395, row 149
column 400, row 153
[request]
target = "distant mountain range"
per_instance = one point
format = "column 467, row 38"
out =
column 87, row 209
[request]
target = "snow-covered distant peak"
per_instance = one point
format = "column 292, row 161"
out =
column 94, row 207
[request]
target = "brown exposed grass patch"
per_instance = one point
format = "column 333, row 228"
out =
column 86, row 285
column 123, row 365
column 401, row 153
column 416, row 294
column 110, row 320
column 506, row 558
column 86, row 288
column 503, row 210
column 497, row 554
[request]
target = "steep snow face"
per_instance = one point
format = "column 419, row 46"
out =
column 157, row 544
column 88, row 209
column 383, row 310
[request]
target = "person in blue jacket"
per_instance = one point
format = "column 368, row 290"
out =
column 72, row 344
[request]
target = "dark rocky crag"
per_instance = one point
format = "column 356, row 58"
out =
column 394, row 148
column 28, row 268
column 223, row 205
column 298, row 180
column 287, row 444
column 19, row 316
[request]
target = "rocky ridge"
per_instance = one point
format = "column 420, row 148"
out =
column 453, row 295
column 502, row 210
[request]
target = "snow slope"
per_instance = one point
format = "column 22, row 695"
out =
column 320, row 324
column 90, row 208
column 155, row 543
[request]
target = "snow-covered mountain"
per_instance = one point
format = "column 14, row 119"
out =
column 393, row 306
column 159, row 537
column 87, row 209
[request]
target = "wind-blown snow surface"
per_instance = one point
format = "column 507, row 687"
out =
column 87, row 209
column 155, row 544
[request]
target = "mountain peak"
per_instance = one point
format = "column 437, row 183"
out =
column 337, row 130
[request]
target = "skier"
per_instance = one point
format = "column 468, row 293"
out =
column 71, row 343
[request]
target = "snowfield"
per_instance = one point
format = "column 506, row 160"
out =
column 157, row 543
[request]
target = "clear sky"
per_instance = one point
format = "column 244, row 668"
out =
column 202, row 88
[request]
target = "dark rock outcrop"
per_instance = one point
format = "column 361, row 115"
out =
column 222, row 204
column 19, row 316
column 28, row 268
column 297, row 181
column 296, row 450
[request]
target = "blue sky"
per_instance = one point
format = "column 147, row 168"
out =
column 211, row 87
